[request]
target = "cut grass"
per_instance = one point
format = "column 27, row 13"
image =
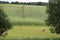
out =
column 30, row 32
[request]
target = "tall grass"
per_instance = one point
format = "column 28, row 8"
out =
column 26, row 21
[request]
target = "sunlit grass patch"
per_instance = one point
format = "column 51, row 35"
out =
column 31, row 32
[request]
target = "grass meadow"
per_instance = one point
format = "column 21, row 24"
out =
column 34, row 15
column 30, row 27
column 30, row 33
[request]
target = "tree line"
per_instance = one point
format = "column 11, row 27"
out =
column 4, row 2
column 24, row 3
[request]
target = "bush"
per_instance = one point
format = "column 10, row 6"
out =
column 4, row 22
column 52, row 30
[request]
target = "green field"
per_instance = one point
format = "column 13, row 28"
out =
column 30, row 32
column 34, row 15
column 30, row 26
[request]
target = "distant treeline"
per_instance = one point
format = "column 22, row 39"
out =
column 4, row 2
column 28, row 3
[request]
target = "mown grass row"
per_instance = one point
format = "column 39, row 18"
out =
column 30, row 39
column 27, row 23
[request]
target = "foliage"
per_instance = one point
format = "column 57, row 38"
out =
column 53, row 10
column 52, row 30
column 4, row 22
column 25, row 3
column 4, row 2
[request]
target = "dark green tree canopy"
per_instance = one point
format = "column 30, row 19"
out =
column 4, row 22
column 53, row 11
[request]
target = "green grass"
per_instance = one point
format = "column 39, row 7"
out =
column 33, row 14
column 30, row 32
column 30, row 11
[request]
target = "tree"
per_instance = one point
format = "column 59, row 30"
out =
column 16, row 2
column 53, row 10
column 4, row 22
column 39, row 3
